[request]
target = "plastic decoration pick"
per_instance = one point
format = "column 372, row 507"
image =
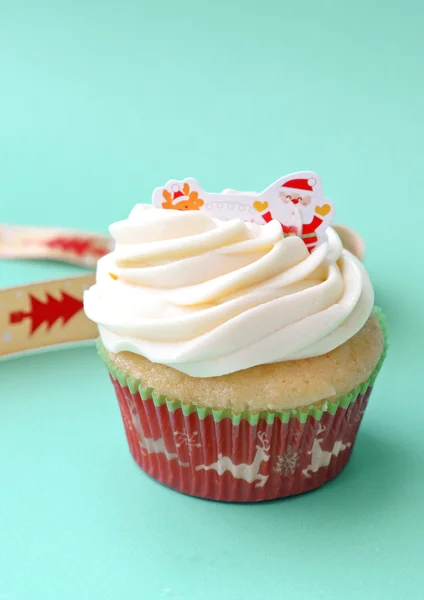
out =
column 296, row 201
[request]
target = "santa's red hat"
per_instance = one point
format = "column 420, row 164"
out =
column 301, row 184
column 176, row 191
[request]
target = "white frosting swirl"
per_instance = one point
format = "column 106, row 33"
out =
column 211, row 297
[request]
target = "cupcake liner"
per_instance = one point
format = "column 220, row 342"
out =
column 245, row 457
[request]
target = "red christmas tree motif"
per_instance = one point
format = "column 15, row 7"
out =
column 48, row 312
column 77, row 245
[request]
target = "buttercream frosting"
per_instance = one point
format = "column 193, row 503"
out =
column 211, row 297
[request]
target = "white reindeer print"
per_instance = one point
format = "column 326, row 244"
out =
column 249, row 473
column 149, row 445
column 320, row 457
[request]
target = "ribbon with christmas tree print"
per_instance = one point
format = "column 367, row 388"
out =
column 50, row 313
column 47, row 313
column 44, row 314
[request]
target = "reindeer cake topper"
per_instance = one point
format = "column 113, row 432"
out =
column 296, row 201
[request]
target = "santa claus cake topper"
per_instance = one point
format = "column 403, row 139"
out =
column 296, row 201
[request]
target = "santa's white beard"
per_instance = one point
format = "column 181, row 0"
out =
column 288, row 214
column 307, row 213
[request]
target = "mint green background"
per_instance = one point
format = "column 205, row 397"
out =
column 100, row 102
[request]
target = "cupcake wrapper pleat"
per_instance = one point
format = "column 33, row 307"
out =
column 238, row 463
column 243, row 457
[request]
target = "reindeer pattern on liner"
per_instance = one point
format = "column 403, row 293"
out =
column 245, row 471
column 321, row 458
column 150, row 445
column 248, row 472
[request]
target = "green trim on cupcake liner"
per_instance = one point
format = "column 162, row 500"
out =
column 253, row 418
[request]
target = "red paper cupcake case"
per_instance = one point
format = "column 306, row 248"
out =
column 220, row 455
column 238, row 460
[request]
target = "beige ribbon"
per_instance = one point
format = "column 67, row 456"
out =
column 50, row 313
column 47, row 313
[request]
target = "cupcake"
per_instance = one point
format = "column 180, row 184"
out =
column 242, row 362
